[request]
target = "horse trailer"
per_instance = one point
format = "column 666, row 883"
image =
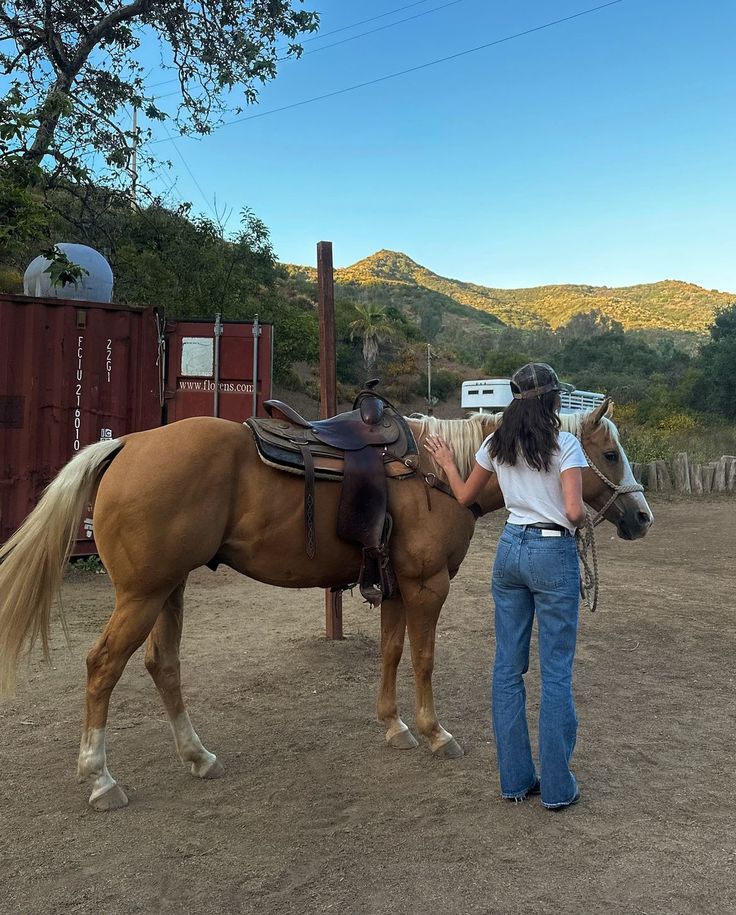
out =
column 492, row 395
column 76, row 372
column 489, row 396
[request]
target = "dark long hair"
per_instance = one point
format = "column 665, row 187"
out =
column 529, row 430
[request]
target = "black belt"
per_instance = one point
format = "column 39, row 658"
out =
column 549, row 526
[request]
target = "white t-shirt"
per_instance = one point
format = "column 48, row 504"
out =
column 533, row 495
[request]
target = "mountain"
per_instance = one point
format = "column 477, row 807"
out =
column 670, row 305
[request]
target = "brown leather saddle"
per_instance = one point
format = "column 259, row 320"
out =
column 361, row 448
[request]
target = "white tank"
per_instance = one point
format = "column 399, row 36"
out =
column 94, row 286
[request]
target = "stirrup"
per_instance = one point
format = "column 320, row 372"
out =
column 377, row 578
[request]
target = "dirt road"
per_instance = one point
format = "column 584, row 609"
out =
column 316, row 815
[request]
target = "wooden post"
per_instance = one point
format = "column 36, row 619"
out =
column 730, row 460
column 730, row 472
column 664, row 483
column 721, row 475
column 681, row 472
column 328, row 391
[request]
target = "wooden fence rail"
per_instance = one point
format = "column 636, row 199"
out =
column 681, row 475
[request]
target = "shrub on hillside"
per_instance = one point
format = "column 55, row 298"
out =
column 11, row 280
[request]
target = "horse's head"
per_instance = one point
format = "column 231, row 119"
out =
column 608, row 484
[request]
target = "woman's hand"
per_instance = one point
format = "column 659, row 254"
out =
column 465, row 491
column 442, row 452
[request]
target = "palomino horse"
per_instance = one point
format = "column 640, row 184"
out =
column 170, row 499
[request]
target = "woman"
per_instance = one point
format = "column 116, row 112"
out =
column 536, row 572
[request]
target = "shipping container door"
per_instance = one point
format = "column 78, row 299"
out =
column 71, row 373
column 193, row 367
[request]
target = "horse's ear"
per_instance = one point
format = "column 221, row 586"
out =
column 603, row 409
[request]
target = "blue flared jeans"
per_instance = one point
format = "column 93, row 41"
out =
column 535, row 574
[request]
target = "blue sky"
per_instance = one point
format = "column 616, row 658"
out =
column 599, row 151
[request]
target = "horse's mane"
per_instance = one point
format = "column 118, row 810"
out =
column 467, row 435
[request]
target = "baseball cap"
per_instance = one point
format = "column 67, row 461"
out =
column 535, row 379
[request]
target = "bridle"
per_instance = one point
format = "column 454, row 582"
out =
column 619, row 489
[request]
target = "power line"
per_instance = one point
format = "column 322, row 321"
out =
column 398, row 9
column 334, row 44
column 191, row 174
column 168, row 183
column 424, row 66
column 380, row 28
column 344, row 28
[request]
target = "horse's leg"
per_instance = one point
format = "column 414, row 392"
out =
column 162, row 663
column 393, row 627
column 423, row 600
column 131, row 621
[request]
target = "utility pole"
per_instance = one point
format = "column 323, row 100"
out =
column 134, row 161
column 256, row 341
column 431, row 401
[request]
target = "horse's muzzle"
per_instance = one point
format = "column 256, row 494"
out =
column 635, row 524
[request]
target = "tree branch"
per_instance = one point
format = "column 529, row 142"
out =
column 52, row 104
column 55, row 46
column 103, row 28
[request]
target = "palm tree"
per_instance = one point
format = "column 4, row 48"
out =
column 373, row 325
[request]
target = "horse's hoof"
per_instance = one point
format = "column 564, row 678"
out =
column 209, row 768
column 451, row 749
column 402, row 740
column 113, row 799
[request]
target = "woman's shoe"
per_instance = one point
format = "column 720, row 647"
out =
column 535, row 789
column 568, row 804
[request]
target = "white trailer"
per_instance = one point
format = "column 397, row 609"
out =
column 488, row 396
column 577, row 401
column 491, row 395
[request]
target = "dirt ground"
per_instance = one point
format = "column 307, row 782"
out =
column 315, row 814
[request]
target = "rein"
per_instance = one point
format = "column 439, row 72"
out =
column 585, row 537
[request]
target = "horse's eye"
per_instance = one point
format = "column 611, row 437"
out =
column 611, row 456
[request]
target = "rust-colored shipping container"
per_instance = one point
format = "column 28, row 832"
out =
column 237, row 369
column 72, row 373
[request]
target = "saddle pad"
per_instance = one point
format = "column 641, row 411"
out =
column 276, row 451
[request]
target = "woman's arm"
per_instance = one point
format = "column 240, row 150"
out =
column 465, row 491
column 572, row 493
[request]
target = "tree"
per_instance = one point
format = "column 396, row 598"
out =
column 714, row 387
column 74, row 68
column 23, row 214
column 373, row 326
column 187, row 266
column 724, row 325
column 589, row 324
column 504, row 364
column 430, row 323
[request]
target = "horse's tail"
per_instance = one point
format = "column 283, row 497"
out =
column 32, row 561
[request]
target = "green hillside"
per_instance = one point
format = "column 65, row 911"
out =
column 670, row 305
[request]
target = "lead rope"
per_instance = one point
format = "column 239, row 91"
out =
column 585, row 537
column 585, row 542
